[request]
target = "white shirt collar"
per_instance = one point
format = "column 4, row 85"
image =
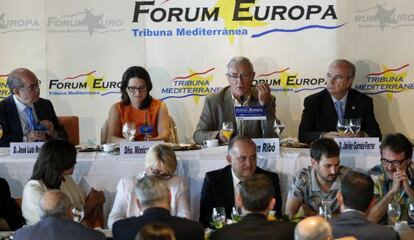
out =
column 342, row 100
column 236, row 180
column 238, row 104
column 20, row 106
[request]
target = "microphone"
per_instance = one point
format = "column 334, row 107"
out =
column 241, row 121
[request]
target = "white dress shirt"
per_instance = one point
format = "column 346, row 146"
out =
column 125, row 204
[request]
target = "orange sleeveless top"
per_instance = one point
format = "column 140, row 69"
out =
column 127, row 113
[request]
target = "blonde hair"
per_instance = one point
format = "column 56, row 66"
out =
column 163, row 154
column 155, row 231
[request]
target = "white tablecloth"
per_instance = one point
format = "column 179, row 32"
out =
column 103, row 171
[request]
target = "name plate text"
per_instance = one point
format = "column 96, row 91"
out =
column 250, row 113
column 130, row 149
column 358, row 145
column 267, row 146
column 25, row 149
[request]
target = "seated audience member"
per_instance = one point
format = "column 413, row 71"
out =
column 10, row 214
column 313, row 228
column 139, row 107
column 256, row 198
column 52, row 170
column 25, row 116
column 338, row 101
column 393, row 178
column 355, row 199
column 56, row 222
column 318, row 182
column 219, row 107
column 154, row 198
column 155, row 231
column 160, row 160
column 219, row 185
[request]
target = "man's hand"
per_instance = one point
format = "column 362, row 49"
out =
column 49, row 126
column 331, row 135
column 36, row 136
column 397, row 179
column 263, row 90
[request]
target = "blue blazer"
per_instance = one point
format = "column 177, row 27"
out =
column 10, row 121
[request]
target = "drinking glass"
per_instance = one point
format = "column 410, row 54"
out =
column 129, row 130
column 411, row 211
column 342, row 126
column 355, row 125
column 1, row 131
column 227, row 130
column 278, row 127
column 394, row 212
column 78, row 213
column 325, row 209
column 218, row 217
column 236, row 214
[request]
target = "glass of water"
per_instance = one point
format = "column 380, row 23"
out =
column 278, row 127
column 394, row 212
column 355, row 125
column 236, row 214
column 342, row 126
column 411, row 211
column 129, row 130
column 325, row 209
column 218, row 217
column 78, row 213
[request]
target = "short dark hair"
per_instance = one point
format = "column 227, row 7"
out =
column 397, row 143
column 256, row 193
column 237, row 139
column 323, row 147
column 357, row 190
column 138, row 72
column 55, row 156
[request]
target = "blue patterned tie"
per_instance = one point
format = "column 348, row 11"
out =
column 30, row 118
column 338, row 108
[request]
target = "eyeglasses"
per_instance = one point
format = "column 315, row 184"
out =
column 135, row 89
column 335, row 77
column 235, row 76
column 394, row 163
column 160, row 174
column 34, row 86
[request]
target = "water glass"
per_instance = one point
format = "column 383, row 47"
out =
column 236, row 214
column 129, row 130
column 355, row 125
column 394, row 212
column 278, row 127
column 78, row 213
column 325, row 209
column 411, row 211
column 342, row 126
column 218, row 217
column 227, row 130
column 1, row 131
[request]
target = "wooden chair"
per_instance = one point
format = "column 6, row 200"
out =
column 71, row 125
column 173, row 131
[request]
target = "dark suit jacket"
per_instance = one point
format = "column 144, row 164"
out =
column 255, row 226
column 9, row 119
column 355, row 224
column 218, row 191
column 219, row 108
column 184, row 229
column 319, row 115
column 9, row 210
column 57, row 228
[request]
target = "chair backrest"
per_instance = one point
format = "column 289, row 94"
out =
column 173, row 131
column 104, row 132
column 71, row 125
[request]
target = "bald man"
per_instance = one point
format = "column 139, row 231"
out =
column 24, row 116
column 56, row 222
column 313, row 228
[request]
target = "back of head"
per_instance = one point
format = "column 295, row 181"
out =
column 54, row 203
column 256, row 193
column 357, row 190
column 323, row 147
column 155, row 231
column 55, row 156
column 398, row 143
column 313, row 228
column 152, row 191
column 163, row 154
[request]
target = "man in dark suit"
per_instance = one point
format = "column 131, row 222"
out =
column 356, row 198
column 219, row 185
column 153, row 198
column 56, row 222
column 338, row 101
column 25, row 116
column 219, row 107
column 256, row 198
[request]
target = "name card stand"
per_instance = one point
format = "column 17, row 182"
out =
column 250, row 113
column 25, row 149
column 358, row 145
column 267, row 146
column 131, row 149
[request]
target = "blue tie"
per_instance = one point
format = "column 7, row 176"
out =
column 338, row 108
column 30, row 118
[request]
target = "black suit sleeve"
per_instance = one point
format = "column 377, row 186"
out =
column 206, row 201
column 9, row 210
column 278, row 196
column 307, row 132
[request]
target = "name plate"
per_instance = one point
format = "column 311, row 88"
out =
column 267, row 146
column 358, row 145
column 250, row 113
column 131, row 149
column 25, row 149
